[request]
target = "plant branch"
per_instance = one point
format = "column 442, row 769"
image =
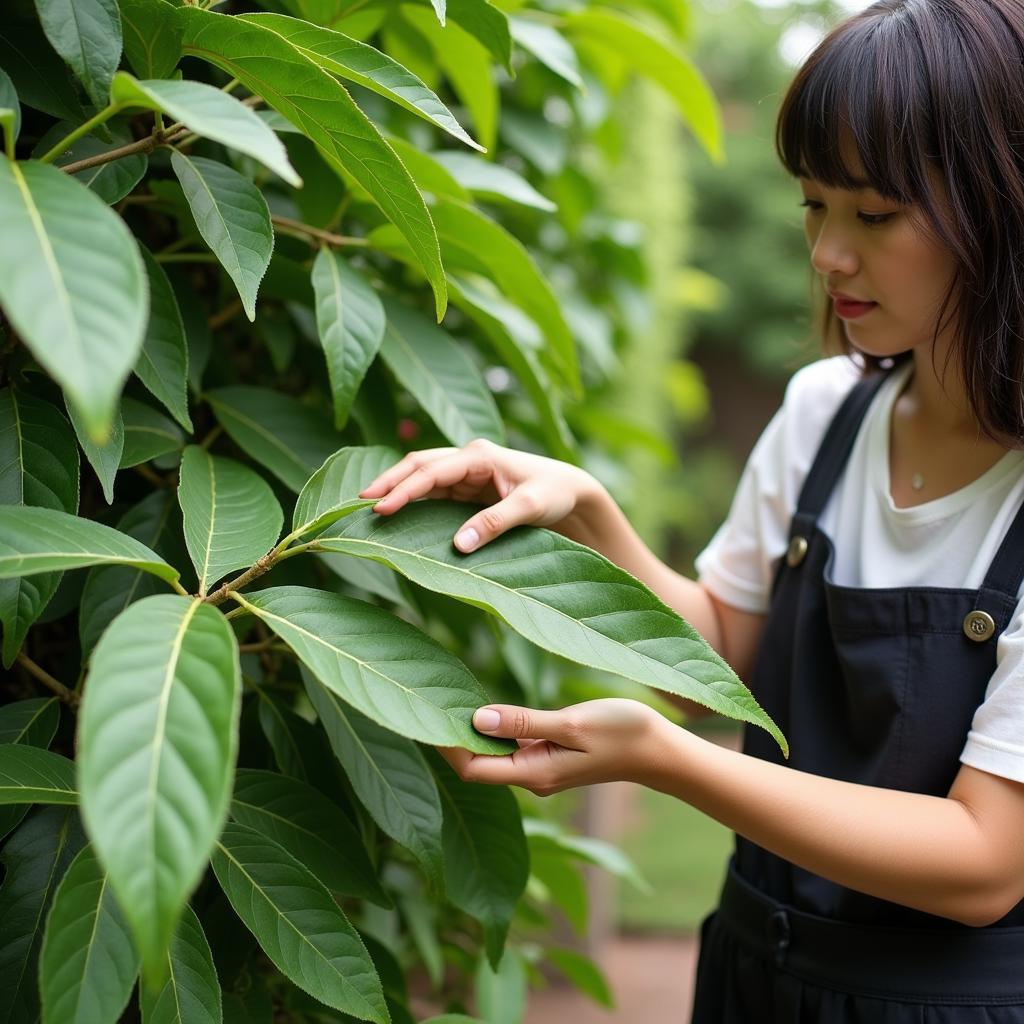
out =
column 174, row 134
column 68, row 696
column 83, row 129
column 308, row 232
column 223, row 316
column 263, row 566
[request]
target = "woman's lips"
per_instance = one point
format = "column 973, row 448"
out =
column 848, row 309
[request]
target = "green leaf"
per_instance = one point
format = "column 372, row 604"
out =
column 34, row 540
column 29, row 775
column 390, row 777
column 88, row 965
column 35, row 858
column 87, row 34
column 350, row 324
column 561, row 595
column 9, row 101
column 148, row 434
column 297, row 923
column 486, row 859
column 428, row 173
column 40, row 76
column 39, row 467
column 647, row 55
column 583, row 972
column 313, row 829
column 191, row 993
column 288, row 438
column 33, row 722
column 152, row 37
column 557, row 870
column 233, row 218
column 366, row 66
column 501, row 989
column 109, row 589
column 105, row 459
column 492, row 181
column 158, row 732
column 318, row 104
column 549, row 46
column 163, row 361
column 230, row 514
column 439, row 374
column 73, row 285
column 383, row 666
column 454, row 1018
column 330, row 493
column 300, row 747
column 486, row 23
column 210, row 112
column 516, row 338
column 462, row 227
column 465, row 63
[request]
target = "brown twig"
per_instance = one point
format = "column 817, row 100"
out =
column 225, row 315
column 264, row 565
column 68, row 696
column 307, row 231
column 173, row 134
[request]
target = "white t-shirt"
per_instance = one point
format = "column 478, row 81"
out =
column 947, row 542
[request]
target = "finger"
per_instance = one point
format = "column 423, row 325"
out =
column 457, row 757
column 518, row 508
column 436, row 477
column 509, row 720
column 383, row 483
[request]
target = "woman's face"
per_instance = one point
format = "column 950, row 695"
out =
column 873, row 249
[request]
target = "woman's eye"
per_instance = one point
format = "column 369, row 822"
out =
column 870, row 219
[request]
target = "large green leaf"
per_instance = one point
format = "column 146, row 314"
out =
column 487, row 23
column 230, row 514
column 297, row 923
column 315, row 102
column 39, row 467
column 389, row 775
column 486, row 859
column 34, row 540
column 549, row 46
column 492, row 181
column 210, row 112
column 300, row 748
column 233, row 218
column 35, row 858
column 313, row 829
column 109, row 589
column 350, row 324
column 440, row 375
column 40, row 76
column 152, row 37
column 646, row 54
column 191, row 994
column 87, row 34
column 384, row 666
column 158, row 733
column 366, row 66
column 501, row 988
column 72, row 284
column 88, row 964
column 163, row 362
column 563, row 596
column 105, row 459
column 469, row 237
column 289, row 438
column 29, row 775
column 330, row 493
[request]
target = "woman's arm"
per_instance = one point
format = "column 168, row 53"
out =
column 958, row 856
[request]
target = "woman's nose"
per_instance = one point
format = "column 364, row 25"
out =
column 832, row 253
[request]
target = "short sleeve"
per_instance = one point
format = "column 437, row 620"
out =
column 739, row 563
column 995, row 743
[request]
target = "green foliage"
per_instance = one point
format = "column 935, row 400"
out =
column 265, row 829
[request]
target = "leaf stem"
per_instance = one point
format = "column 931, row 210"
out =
column 83, row 129
column 68, row 696
column 308, row 232
column 236, row 613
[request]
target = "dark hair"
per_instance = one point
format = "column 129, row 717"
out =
column 934, row 84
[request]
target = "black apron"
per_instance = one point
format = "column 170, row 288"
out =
column 879, row 687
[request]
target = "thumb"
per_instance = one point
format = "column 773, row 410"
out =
column 507, row 720
column 495, row 520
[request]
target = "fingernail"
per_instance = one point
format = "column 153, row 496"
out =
column 487, row 720
column 467, row 539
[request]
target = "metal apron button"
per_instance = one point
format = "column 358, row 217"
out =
column 978, row 626
column 796, row 551
column 778, row 935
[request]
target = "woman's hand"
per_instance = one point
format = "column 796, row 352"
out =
column 607, row 740
column 518, row 487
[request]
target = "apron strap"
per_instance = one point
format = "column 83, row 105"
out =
column 835, row 449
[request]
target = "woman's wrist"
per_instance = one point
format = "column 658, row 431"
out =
column 590, row 520
column 665, row 757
